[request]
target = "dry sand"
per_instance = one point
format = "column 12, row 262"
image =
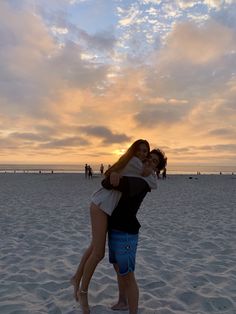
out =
column 186, row 260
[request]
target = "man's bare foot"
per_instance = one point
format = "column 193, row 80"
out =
column 120, row 306
column 83, row 301
column 76, row 288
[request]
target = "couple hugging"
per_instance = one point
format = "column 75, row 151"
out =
column 113, row 211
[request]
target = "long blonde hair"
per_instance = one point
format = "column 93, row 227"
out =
column 124, row 159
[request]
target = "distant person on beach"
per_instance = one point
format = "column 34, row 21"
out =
column 103, row 203
column 101, row 169
column 90, row 172
column 86, row 170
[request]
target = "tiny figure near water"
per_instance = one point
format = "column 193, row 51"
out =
column 90, row 172
column 101, row 169
column 86, row 170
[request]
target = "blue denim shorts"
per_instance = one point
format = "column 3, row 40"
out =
column 122, row 250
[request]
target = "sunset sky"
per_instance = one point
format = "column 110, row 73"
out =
column 80, row 80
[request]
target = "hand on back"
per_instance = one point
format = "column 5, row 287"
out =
column 115, row 178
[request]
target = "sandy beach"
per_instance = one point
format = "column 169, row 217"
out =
column 186, row 260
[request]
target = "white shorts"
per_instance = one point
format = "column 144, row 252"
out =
column 107, row 200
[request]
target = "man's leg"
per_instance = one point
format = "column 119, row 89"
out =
column 122, row 253
column 122, row 304
column 132, row 291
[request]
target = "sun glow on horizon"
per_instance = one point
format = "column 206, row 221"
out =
column 119, row 152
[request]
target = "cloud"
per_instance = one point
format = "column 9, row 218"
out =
column 23, row 59
column 73, row 70
column 40, row 140
column 35, row 72
column 226, row 133
column 27, row 136
column 129, row 16
column 220, row 147
column 102, row 41
column 183, row 4
column 198, row 45
column 73, row 142
column 59, row 21
column 202, row 152
column 217, row 4
column 194, row 62
column 106, row 135
column 153, row 115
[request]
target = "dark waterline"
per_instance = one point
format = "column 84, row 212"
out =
column 79, row 168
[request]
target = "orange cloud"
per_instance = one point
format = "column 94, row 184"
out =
column 198, row 44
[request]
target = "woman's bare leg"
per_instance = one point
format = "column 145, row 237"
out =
column 99, row 230
column 75, row 280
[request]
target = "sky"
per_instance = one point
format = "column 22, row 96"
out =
column 80, row 80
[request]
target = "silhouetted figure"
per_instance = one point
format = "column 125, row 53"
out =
column 86, row 169
column 90, row 172
column 101, row 169
column 164, row 174
column 158, row 174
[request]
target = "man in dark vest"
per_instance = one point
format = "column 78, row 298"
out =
column 123, row 231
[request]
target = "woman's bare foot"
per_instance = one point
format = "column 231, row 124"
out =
column 120, row 306
column 76, row 288
column 83, row 301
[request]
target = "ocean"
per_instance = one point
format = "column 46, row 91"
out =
column 79, row 168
